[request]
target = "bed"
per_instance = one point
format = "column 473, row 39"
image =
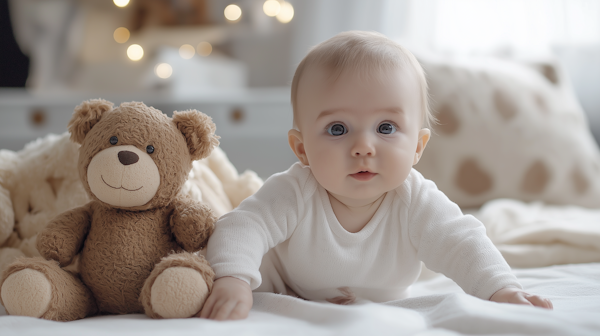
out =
column 437, row 307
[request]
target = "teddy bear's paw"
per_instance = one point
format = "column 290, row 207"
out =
column 26, row 293
column 178, row 292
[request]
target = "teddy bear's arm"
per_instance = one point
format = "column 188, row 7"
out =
column 63, row 237
column 191, row 223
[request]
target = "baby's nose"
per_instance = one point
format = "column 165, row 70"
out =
column 359, row 153
column 363, row 147
column 127, row 157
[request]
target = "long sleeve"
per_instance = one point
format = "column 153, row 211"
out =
column 455, row 244
column 262, row 221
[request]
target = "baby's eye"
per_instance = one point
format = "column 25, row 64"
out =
column 113, row 140
column 337, row 129
column 386, row 128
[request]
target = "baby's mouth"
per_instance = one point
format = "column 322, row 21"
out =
column 363, row 175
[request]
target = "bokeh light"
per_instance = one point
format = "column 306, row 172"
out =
column 286, row 13
column 121, row 35
column 271, row 7
column 204, row 48
column 163, row 70
column 135, row 52
column 121, row 3
column 187, row 51
column 233, row 12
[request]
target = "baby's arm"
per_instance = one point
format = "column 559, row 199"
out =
column 241, row 239
column 457, row 246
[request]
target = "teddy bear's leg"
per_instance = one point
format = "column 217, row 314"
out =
column 40, row 288
column 177, row 287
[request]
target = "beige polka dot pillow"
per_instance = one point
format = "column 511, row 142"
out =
column 508, row 130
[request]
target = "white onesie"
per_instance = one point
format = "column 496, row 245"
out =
column 291, row 218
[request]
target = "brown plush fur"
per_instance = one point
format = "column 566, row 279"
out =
column 65, row 234
column 187, row 223
column 86, row 116
column 75, row 300
column 193, row 261
column 120, row 246
column 199, row 133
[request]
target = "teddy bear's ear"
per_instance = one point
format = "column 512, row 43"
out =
column 199, row 132
column 86, row 116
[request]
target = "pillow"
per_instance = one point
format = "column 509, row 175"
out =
column 508, row 130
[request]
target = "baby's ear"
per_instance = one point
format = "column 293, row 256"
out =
column 424, row 135
column 86, row 116
column 199, row 132
column 297, row 145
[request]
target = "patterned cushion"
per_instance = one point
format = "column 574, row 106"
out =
column 508, row 130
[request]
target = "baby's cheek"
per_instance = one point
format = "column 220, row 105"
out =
column 398, row 165
column 328, row 176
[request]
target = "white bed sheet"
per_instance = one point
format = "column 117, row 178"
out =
column 436, row 307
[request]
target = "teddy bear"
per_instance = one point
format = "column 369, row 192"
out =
column 137, row 237
column 41, row 181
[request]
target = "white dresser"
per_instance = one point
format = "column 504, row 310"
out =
column 252, row 123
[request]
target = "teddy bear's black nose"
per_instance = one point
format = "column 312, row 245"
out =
column 127, row 157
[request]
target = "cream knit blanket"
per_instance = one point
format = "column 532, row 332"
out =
column 536, row 235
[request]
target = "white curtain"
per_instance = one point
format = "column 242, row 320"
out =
column 317, row 20
column 492, row 26
column 568, row 30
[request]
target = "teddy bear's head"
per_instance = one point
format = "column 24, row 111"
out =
column 135, row 157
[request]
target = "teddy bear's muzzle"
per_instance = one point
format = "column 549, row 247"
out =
column 123, row 176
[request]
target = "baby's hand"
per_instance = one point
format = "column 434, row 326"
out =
column 230, row 299
column 517, row 296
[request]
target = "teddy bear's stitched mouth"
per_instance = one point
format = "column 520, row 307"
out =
column 121, row 187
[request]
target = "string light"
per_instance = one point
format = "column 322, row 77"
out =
column 233, row 12
column 163, row 70
column 186, row 51
column 204, row 48
column 121, row 3
column 121, row 35
column 135, row 52
column 271, row 7
column 286, row 13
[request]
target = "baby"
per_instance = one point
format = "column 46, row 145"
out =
column 353, row 220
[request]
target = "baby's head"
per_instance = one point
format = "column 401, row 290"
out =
column 363, row 53
column 360, row 114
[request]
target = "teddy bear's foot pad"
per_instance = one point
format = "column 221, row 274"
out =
column 26, row 293
column 178, row 292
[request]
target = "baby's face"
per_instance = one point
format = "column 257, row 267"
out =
column 360, row 136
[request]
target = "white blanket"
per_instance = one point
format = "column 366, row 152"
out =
column 437, row 307
column 535, row 235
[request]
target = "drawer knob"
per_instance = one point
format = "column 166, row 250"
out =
column 237, row 115
column 38, row 117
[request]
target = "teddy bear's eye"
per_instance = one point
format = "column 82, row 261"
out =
column 150, row 149
column 113, row 140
